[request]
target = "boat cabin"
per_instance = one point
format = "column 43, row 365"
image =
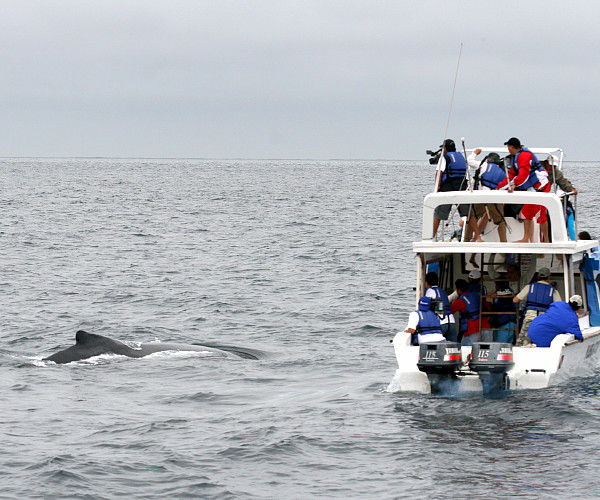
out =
column 572, row 271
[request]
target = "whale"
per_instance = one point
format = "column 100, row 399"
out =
column 88, row 345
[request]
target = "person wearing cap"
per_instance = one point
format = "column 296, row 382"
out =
column 537, row 296
column 560, row 318
column 504, row 321
column 434, row 292
column 474, row 284
column 471, row 323
column 453, row 167
column 526, row 174
column 424, row 325
column 488, row 174
column 555, row 176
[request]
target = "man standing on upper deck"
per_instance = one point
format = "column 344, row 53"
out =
column 488, row 174
column 526, row 174
column 555, row 176
column 453, row 172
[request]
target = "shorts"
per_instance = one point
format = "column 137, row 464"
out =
column 494, row 210
column 536, row 212
column 443, row 211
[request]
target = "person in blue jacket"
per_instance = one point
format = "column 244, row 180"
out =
column 561, row 317
column 424, row 324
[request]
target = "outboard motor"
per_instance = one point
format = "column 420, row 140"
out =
column 440, row 361
column 491, row 361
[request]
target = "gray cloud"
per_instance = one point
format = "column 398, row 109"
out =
column 294, row 79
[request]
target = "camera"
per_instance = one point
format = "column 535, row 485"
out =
column 435, row 156
column 437, row 306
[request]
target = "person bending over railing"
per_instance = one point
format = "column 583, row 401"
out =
column 560, row 318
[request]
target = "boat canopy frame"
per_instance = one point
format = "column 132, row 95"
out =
column 551, row 201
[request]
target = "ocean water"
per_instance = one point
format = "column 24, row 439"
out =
column 308, row 261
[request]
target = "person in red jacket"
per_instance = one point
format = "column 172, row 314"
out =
column 472, row 325
column 526, row 174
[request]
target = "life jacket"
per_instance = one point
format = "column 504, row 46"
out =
column 493, row 176
column 503, row 304
column 428, row 323
column 477, row 288
column 442, row 296
column 536, row 167
column 471, row 312
column 540, row 296
column 456, row 166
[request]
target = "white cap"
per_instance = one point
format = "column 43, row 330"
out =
column 553, row 160
column 577, row 300
column 475, row 274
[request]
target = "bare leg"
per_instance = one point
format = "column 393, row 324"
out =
column 475, row 229
column 483, row 222
column 544, row 232
column 436, row 225
column 468, row 232
column 473, row 261
column 502, row 231
column 528, row 229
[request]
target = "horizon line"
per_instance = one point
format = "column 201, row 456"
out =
column 220, row 158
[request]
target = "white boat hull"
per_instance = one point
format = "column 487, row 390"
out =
column 534, row 368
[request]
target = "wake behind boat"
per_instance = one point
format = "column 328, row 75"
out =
column 494, row 360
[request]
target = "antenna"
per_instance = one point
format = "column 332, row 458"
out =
column 453, row 90
column 439, row 172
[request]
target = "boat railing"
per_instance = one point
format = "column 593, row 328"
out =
column 551, row 201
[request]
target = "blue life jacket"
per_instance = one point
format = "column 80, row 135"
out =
column 493, row 176
column 471, row 300
column 540, row 296
column 536, row 166
column 503, row 304
column 456, row 166
column 443, row 297
column 477, row 288
column 428, row 323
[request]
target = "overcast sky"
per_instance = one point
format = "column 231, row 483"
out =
column 295, row 79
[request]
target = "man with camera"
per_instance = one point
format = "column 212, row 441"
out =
column 424, row 324
column 453, row 177
column 435, row 293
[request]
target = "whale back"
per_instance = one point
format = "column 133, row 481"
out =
column 88, row 345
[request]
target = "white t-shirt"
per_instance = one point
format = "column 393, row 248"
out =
column 442, row 164
column 473, row 163
column 413, row 321
column 449, row 318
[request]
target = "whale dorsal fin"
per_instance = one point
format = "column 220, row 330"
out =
column 82, row 337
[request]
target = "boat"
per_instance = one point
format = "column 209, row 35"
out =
column 489, row 366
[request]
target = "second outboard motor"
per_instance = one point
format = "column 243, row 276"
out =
column 491, row 361
column 440, row 361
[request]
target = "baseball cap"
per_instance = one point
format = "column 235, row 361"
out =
column 513, row 141
column 424, row 304
column 475, row 274
column 448, row 144
column 577, row 300
column 544, row 272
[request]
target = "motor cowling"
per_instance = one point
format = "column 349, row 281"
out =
column 493, row 357
column 439, row 357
